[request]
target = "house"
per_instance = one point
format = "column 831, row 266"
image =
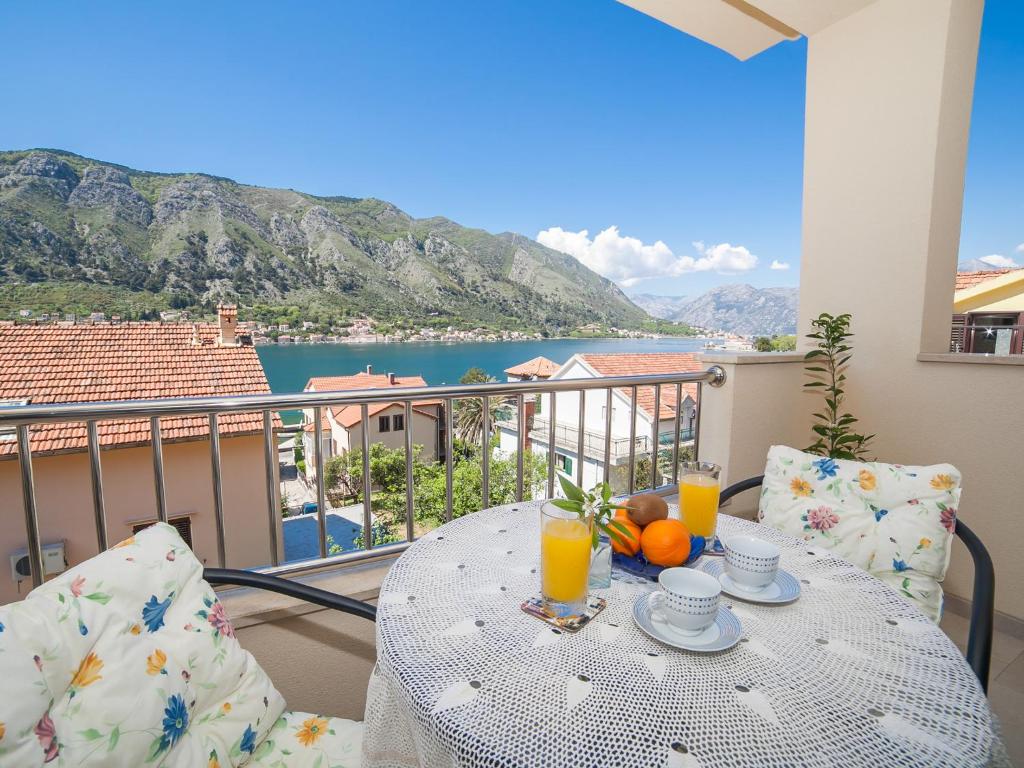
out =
column 988, row 312
column 134, row 361
column 567, row 435
column 343, row 426
column 533, row 370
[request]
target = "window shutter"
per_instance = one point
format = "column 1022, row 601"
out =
column 957, row 337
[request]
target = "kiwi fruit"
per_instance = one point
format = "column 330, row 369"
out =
column 645, row 508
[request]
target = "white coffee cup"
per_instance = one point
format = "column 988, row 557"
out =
column 751, row 562
column 688, row 599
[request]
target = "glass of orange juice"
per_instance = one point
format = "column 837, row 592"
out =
column 698, row 499
column 565, row 545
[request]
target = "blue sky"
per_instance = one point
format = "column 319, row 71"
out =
column 524, row 115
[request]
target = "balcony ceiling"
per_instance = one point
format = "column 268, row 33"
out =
column 744, row 28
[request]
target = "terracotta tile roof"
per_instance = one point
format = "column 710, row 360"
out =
column 133, row 361
column 540, row 367
column 349, row 416
column 651, row 363
column 965, row 280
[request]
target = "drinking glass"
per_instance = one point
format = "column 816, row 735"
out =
column 565, row 544
column 698, row 499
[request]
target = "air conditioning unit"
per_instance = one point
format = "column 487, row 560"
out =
column 54, row 561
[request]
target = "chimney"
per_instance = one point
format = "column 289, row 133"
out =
column 228, row 316
column 196, row 341
column 369, row 369
column 391, row 379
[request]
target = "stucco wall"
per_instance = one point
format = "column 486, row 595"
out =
column 64, row 501
column 424, row 432
column 885, row 150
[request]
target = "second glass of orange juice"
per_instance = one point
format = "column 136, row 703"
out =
column 698, row 498
column 565, row 545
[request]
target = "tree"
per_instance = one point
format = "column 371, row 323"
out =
column 469, row 411
column 826, row 366
column 763, row 344
column 476, row 376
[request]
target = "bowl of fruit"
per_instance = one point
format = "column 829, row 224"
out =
column 650, row 541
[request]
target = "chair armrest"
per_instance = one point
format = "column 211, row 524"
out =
column 742, row 485
column 235, row 577
column 979, row 640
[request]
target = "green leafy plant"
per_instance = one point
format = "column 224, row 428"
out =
column 594, row 506
column 826, row 365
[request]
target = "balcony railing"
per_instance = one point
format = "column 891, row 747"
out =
column 987, row 339
column 567, row 437
column 22, row 418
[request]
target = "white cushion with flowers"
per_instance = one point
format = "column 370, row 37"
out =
column 304, row 740
column 129, row 660
column 894, row 521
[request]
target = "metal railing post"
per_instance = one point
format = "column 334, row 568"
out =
column 485, row 463
column 96, row 478
column 521, row 450
column 158, row 469
column 321, row 495
column 410, row 533
column 677, row 425
column 269, row 466
column 607, row 437
column 449, row 460
column 632, row 440
column 696, row 421
column 580, row 448
column 367, row 484
column 218, row 491
column 655, row 434
column 551, row 446
column 28, row 497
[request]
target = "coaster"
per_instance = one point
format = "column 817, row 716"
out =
column 535, row 607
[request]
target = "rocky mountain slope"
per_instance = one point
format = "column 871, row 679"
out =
column 738, row 308
column 189, row 240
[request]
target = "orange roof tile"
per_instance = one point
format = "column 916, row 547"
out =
column 965, row 280
column 131, row 361
column 539, row 366
column 652, row 363
column 350, row 415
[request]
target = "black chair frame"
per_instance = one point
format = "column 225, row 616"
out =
column 239, row 578
column 979, row 640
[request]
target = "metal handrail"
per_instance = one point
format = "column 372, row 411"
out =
column 23, row 417
column 12, row 416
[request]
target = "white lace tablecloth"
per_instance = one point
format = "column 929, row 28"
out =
column 849, row 675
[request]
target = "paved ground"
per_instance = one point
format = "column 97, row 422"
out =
column 300, row 535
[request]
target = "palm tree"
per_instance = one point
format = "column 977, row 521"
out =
column 469, row 412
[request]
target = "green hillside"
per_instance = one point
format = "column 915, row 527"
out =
column 79, row 235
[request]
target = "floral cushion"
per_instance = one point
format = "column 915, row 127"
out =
column 302, row 740
column 129, row 660
column 894, row 521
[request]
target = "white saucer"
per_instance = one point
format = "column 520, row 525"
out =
column 785, row 589
column 723, row 633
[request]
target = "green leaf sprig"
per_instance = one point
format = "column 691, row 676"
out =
column 826, row 367
column 594, row 507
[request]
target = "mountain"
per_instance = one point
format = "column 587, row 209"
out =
column 663, row 307
column 740, row 309
column 76, row 232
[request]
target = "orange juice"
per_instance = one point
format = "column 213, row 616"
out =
column 564, row 559
column 698, row 503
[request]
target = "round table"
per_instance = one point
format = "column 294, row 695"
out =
column 849, row 674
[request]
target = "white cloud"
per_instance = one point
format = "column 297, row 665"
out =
column 1020, row 248
column 999, row 261
column 628, row 260
column 776, row 264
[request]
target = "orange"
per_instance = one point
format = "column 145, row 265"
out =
column 630, row 542
column 666, row 542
